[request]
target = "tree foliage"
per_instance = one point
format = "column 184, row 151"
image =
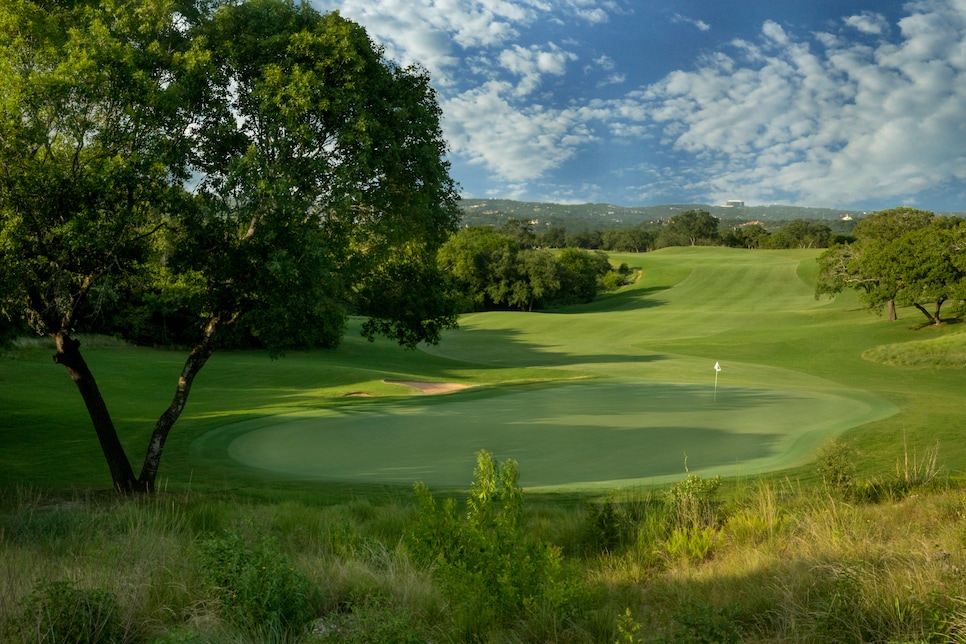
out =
column 800, row 233
column 255, row 166
column 691, row 228
column 492, row 271
column 900, row 256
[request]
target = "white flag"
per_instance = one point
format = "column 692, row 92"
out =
column 717, row 367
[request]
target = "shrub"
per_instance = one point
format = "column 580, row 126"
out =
column 56, row 611
column 256, row 587
column 691, row 502
column 836, row 465
column 487, row 561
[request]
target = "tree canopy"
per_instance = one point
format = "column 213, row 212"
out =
column 900, row 256
column 492, row 270
column 257, row 166
column 691, row 228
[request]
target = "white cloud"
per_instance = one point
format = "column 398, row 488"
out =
column 869, row 22
column 700, row 24
column 779, row 121
column 516, row 144
column 530, row 64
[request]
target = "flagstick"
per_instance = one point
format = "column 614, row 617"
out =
column 717, row 369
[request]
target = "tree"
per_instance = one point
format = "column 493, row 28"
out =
column 927, row 266
column 539, row 282
column 482, row 261
column 521, row 231
column 554, row 237
column 259, row 163
column 691, row 227
column 583, row 271
column 868, row 265
column 632, row 240
column 801, row 233
column 587, row 239
column 746, row 236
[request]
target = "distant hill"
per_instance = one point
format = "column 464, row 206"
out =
column 601, row 216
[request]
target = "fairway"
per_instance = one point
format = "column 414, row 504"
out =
column 637, row 404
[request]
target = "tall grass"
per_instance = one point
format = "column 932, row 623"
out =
column 787, row 562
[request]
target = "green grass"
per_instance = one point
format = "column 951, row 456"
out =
column 611, row 393
column 774, row 558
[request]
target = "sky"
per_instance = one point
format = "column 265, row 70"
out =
column 853, row 104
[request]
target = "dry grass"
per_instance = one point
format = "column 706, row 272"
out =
column 788, row 565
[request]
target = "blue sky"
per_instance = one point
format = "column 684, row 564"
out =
column 828, row 103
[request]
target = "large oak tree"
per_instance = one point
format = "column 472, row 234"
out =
column 900, row 256
column 262, row 166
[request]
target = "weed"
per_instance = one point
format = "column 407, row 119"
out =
column 487, row 560
column 692, row 544
column 57, row 611
column 836, row 465
column 256, row 586
column 691, row 502
column 627, row 628
column 918, row 473
column 704, row 624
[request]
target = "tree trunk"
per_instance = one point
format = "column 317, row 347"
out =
column 932, row 317
column 68, row 354
column 196, row 360
column 892, row 311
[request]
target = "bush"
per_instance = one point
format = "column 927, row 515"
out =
column 836, row 465
column 490, row 565
column 692, row 544
column 57, row 612
column 691, row 502
column 256, row 587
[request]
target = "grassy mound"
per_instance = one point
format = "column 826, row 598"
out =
column 948, row 352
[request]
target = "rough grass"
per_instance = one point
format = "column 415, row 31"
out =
column 947, row 352
column 781, row 562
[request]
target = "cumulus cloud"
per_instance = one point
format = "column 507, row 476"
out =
column 532, row 63
column 866, row 108
column 778, row 120
column 488, row 122
column 517, row 144
column 869, row 22
column 427, row 31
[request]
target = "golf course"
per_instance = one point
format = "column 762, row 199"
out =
column 286, row 509
column 620, row 392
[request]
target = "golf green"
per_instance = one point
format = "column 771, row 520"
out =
column 586, row 434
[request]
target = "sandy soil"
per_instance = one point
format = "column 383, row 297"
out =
column 429, row 387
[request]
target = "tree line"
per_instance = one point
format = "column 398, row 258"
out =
column 493, row 268
column 689, row 228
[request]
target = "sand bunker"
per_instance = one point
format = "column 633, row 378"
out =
column 429, row 387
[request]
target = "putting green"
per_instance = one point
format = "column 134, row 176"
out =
column 595, row 433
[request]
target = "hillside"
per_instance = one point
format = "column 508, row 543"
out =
column 600, row 216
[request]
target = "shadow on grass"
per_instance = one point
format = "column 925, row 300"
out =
column 505, row 348
column 634, row 299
